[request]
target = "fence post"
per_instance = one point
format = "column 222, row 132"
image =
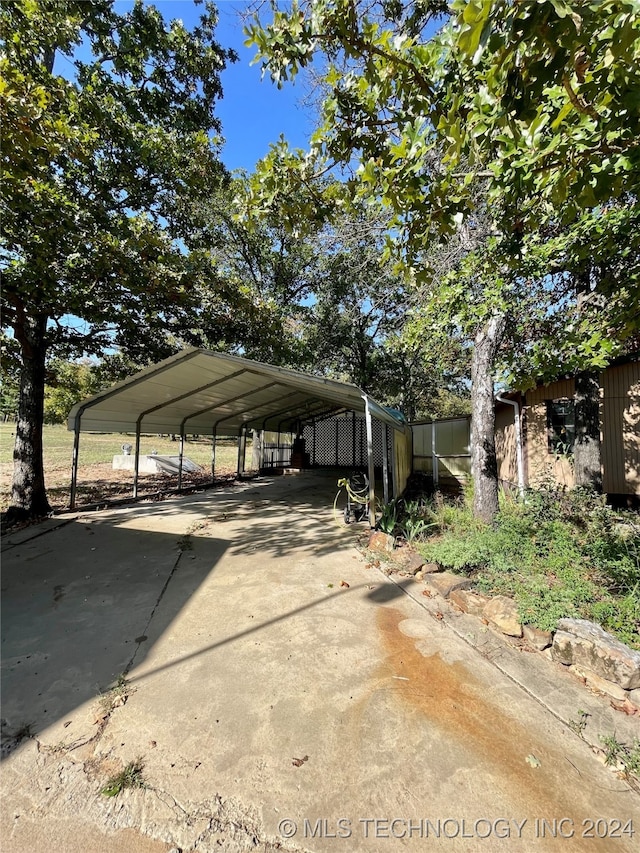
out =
column 434, row 454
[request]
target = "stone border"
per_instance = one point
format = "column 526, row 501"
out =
column 599, row 660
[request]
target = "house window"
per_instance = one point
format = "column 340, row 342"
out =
column 561, row 426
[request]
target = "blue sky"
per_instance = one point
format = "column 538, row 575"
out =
column 253, row 112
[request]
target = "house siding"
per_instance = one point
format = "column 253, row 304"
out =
column 619, row 432
column 621, row 429
column 506, row 445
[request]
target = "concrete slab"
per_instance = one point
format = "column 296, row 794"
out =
column 280, row 694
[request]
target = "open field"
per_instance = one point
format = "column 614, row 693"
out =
column 97, row 480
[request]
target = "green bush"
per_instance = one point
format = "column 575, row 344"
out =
column 557, row 553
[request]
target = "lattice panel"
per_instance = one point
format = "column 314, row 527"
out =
column 342, row 442
column 324, row 452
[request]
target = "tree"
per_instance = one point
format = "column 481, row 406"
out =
column 67, row 382
column 267, row 273
column 354, row 328
column 95, row 224
column 536, row 100
column 544, row 96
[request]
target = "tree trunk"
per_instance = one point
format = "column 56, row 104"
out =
column 28, row 495
column 586, row 450
column 484, row 465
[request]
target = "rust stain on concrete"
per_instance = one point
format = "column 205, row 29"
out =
column 456, row 703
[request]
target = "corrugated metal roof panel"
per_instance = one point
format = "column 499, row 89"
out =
column 198, row 390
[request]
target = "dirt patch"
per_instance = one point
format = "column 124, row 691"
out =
column 100, row 482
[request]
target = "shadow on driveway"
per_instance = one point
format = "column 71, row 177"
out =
column 76, row 605
column 79, row 603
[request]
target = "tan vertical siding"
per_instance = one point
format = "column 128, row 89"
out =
column 621, row 429
column 506, row 445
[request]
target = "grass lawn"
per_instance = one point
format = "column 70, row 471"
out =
column 96, row 478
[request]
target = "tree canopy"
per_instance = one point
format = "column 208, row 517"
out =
column 95, row 224
column 515, row 124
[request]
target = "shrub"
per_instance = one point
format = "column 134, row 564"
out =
column 557, row 553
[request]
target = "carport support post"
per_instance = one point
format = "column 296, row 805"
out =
column 245, row 430
column 385, row 465
column 213, row 453
column 242, row 446
column 181, row 457
column 371, row 468
column 136, row 464
column 74, row 461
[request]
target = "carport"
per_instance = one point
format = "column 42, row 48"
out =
column 200, row 392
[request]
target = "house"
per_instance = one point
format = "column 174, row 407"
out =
column 548, row 430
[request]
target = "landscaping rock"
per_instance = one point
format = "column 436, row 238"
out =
column 379, row 541
column 413, row 562
column 536, row 637
column 634, row 696
column 470, row 602
column 586, row 644
column 602, row 685
column 446, row 582
column 430, row 568
column 503, row 612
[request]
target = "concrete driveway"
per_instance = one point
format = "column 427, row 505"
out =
column 279, row 693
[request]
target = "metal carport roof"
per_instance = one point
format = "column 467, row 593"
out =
column 198, row 391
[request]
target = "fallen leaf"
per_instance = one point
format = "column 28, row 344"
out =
column 344, row 583
column 298, row 762
column 68, row 723
column 533, row 761
column 427, row 593
column 99, row 718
